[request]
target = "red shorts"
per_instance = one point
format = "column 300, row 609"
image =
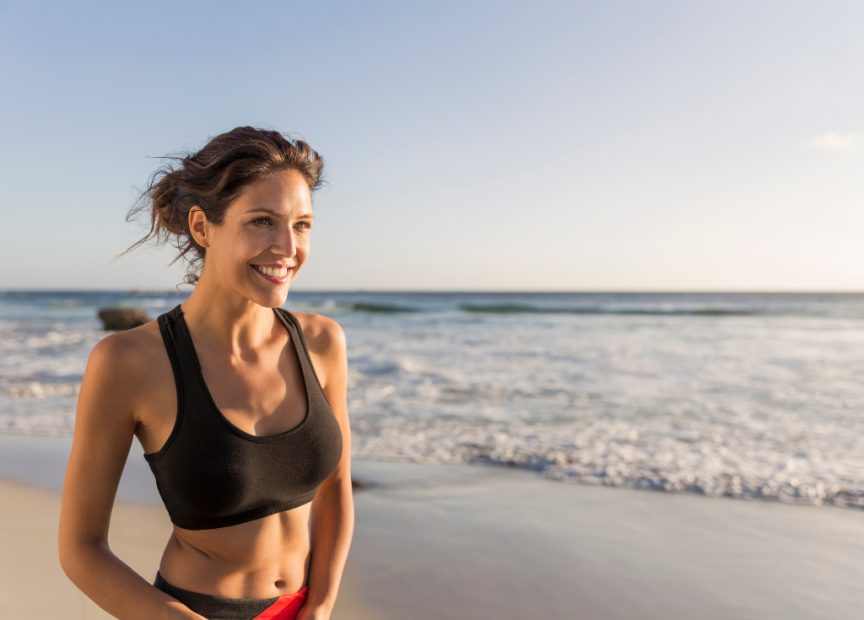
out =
column 285, row 607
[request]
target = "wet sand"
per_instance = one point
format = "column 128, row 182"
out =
column 462, row 542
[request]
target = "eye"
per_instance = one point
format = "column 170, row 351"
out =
column 304, row 225
column 262, row 221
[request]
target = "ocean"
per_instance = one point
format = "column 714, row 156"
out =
column 737, row 395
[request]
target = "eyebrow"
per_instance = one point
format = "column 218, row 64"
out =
column 305, row 216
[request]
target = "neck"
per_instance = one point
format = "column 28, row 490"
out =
column 225, row 318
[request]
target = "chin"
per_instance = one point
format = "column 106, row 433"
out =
column 266, row 297
column 273, row 299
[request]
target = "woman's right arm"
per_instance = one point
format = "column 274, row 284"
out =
column 105, row 424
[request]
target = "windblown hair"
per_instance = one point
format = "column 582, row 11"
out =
column 211, row 180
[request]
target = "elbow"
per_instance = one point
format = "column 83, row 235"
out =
column 66, row 551
column 73, row 554
column 67, row 560
column 69, row 554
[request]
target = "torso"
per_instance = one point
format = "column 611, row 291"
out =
column 261, row 394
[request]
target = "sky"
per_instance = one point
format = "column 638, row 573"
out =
column 511, row 146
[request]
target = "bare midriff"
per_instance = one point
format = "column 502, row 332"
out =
column 264, row 558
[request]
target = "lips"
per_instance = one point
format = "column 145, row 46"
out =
column 278, row 274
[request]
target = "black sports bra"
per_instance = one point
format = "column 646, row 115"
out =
column 210, row 473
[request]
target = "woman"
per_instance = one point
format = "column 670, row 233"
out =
column 240, row 406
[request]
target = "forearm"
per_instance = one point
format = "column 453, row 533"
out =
column 116, row 588
column 332, row 530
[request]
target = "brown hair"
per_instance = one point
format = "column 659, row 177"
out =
column 211, row 179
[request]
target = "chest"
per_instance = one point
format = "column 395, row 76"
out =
column 254, row 434
column 264, row 393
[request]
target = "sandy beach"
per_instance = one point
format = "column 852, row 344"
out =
column 448, row 541
column 33, row 583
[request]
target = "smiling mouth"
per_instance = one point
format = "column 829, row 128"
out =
column 276, row 272
column 278, row 275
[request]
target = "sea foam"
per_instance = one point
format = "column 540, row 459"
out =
column 724, row 395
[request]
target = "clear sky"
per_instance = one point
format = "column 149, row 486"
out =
column 578, row 145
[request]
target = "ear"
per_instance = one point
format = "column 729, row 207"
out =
column 198, row 226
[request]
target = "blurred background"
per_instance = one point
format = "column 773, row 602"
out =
column 613, row 246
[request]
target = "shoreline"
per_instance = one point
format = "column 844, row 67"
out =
column 137, row 484
column 715, row 395
column 473, row 541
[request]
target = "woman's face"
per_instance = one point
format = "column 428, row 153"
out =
column 264, row 239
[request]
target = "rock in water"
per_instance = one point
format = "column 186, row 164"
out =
column 118, row 319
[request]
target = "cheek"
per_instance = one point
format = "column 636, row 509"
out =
column 304, row 246
column 236, row 250
column 249, row 246
column 252, row 241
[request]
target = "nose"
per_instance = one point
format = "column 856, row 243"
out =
column 285, row 244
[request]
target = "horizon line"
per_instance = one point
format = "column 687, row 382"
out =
column 187, row 288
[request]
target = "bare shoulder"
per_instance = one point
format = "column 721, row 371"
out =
column 327, row 349
column 323, row 335
column 124, row 363
column 128, row 351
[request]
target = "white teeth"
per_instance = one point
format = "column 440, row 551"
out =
column 275, row 272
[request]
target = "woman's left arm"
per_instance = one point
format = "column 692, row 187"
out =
column 333, row 506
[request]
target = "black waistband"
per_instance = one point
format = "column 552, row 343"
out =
column 216, row 607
